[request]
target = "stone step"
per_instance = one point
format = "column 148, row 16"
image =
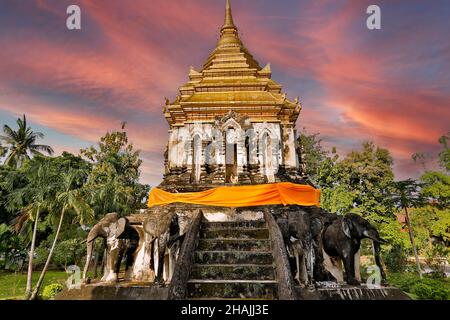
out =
column 233, row 245
column 233, row 257
column 238, row 233
column 237, row 289
column 206, row 225
column 233, row 272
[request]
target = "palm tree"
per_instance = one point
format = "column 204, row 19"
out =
column 406, row 195
column 39, row 192
column 70, row 198
column 21, row 144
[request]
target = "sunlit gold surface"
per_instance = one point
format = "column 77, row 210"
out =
column 231, row 79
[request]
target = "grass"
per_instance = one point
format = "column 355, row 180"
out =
column 12, row 285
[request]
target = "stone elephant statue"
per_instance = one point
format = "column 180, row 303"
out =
column 296, row 230
column 120, row 239
column 162, row 232
column 342, row 241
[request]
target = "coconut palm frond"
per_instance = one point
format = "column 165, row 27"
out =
column 47, row 149
column 10, row 134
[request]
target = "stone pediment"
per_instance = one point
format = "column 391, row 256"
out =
column 241, row 119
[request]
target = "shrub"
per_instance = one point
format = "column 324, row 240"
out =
column 69, row 252
column 436, row 257
column 403, row 281
column 424, row 289
column 430, row 289
column 50, row 291
column 395, row 259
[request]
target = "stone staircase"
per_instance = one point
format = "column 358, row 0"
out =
column 233, row 260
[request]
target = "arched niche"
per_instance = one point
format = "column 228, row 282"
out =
column 196, row 157
column 266, row 153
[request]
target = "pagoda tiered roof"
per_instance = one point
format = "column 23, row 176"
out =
column 231, row 79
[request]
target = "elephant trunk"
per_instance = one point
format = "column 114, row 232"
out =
column 373, row 235
column 376, row 253
column 90, row 249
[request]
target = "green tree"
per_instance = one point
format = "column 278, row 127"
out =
column 360, row 182
column 113, row 183
column 406, row 194
column 69, row 198
column 434, row 216
column 431, row 221
column 40, row 192
column 22, row 144
column 12, row 249
column 10, row 179
column 444, row 155
column 313, row 154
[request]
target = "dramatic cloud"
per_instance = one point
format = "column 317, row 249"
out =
column 391, row 86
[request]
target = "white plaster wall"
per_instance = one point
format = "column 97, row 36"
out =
column 291, row 159
column 180, row 144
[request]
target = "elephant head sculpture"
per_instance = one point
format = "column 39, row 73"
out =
column 119, row 238
column 342, row 240
column 162, row 232
column 300, row 245
column 295, row 228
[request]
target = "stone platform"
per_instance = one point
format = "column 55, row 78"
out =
column 345, row 292
column 133, row 291
column 120, row 291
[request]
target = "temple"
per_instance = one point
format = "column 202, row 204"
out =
column 230, row 123
column 235, row 215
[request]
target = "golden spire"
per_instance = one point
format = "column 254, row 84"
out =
column 229, row 33
column 229, row 23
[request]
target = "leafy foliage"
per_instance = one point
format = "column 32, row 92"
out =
column 313, row 154
column 395, row 258
column 113, row 184
column 444, row 155
column 67, row 252
column 424, row 289
column 50, row 291
column 13, row 254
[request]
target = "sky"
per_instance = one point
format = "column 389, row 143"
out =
column 391, row 86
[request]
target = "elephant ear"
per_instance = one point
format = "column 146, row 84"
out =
column 121, row 227
column 347, row 226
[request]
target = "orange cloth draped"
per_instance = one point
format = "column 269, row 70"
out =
column 284, row 193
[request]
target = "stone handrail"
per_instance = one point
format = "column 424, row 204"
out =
column 181, row 274
column 286, row 284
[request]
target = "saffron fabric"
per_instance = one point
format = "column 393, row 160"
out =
column 284, row 193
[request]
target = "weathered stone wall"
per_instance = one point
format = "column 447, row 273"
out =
column 196, row 148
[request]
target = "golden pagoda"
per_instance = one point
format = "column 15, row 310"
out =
column 231, row 123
